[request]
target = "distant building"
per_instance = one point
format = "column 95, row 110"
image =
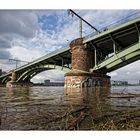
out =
column 119, row 83
column 48, row 83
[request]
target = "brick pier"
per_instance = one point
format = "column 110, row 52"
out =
column 82, row 61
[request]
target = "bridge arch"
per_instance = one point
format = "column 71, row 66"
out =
column 29, row 74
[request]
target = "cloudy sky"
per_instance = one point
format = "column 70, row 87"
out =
column 29, row 34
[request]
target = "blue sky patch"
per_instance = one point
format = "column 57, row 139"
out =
column 48, row 23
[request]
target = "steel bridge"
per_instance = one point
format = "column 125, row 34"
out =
column 112, row 49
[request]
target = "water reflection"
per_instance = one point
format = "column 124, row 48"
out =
column 21, row 93
column 76, row 96
column 44, row 108
column 95, row 98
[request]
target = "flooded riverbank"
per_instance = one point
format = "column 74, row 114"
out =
column 53, row 108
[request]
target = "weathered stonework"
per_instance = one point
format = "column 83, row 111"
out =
column 13, row 77
column 12, row 83
column 81, row 56
column 86, row 80
column 82, row 61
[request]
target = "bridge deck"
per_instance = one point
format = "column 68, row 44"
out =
column 122, row 37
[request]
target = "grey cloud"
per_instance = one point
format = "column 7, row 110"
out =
column 4, row 54
column 55, row 75
column 19, row 22
column 15, row 24
column 4, row 44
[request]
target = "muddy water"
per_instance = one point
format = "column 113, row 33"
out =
column 53, row 108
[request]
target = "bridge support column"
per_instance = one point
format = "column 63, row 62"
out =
column 12, row 82
column 82, row 61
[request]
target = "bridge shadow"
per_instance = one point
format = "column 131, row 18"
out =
column 95, row 99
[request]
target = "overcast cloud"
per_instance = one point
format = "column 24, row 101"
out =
column 30, row 34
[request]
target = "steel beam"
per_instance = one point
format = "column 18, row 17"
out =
column 80, row 28
column 128, row 53
column 137, row 28
column 116, row 29
column 62, row 63
column 128, row 58
column 114, row 44
column 44, row 68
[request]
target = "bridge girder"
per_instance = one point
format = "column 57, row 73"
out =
column 25, row 74
column 31, row 74
column 127, row 56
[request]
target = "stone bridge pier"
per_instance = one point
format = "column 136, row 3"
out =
column 82, row 62
column 12, row 82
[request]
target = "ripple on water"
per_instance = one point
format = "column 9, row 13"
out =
column 37, row 107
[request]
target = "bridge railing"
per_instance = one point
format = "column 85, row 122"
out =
column 115, row 24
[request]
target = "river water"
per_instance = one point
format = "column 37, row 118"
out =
column 56, row 108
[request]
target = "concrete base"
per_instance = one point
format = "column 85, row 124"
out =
column 77, row 79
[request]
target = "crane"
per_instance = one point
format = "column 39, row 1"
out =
column 17, row 61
